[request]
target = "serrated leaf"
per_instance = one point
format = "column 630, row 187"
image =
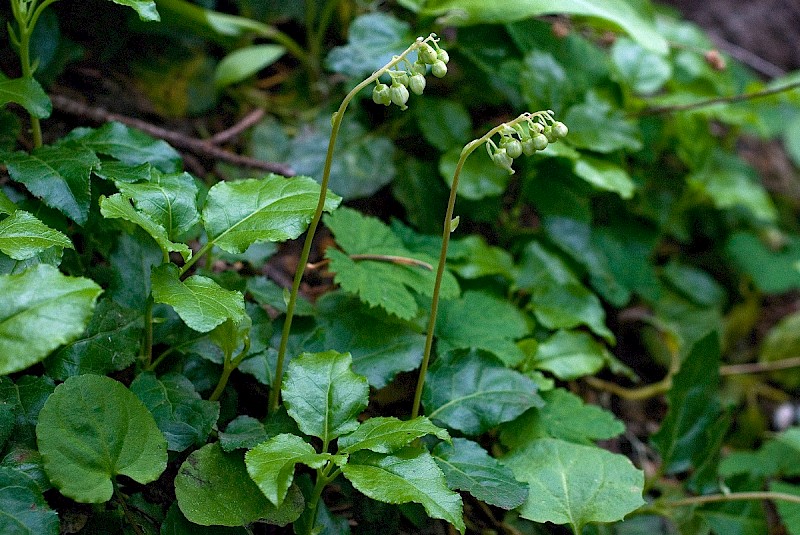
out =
column 128, row 145
column 410, row 475
column 472, row 391
column 372, row 41
column 605, row 176
column 110, row 343
column 27, row 93
column 245, row 62
column 388, row 434
column 380, row 283
column 381, row 345
column 40, row 310
column 180, row 413
column 146, row 9
column 271, row 464
column 132, row 260
column 239, row 214
column 59, row 175
column 213, row 488
column 323, row 395
column 7, row 206
column 595, row 125
column 123, row 172
column 119, row 206
column 170, row 200
column 23, row 509
column 480, row 177
column 694, row 405
column 22, row 236
column 569, row 355
column 200, row 302
column 468, row 467
column 481, row 321
column 575, row 484
column 92, row 429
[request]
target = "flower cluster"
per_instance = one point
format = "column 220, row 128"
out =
column 531, row 133
column 413, row 77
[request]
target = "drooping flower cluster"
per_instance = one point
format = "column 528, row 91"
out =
column 533, row 132
column 413, row 76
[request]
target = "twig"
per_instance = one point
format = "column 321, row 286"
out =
column 720, row 100
column 634, row 394
column 759, row 367
column 198, row 146
column 754, row 61
column 251, row 119
column 391, row 259
column 733, row 496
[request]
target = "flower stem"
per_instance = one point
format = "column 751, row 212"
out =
column 336, row 122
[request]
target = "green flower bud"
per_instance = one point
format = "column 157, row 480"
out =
column 380, row 94
column 419, row 67
column 401, row 77
column 536, row 128
column 439, row 69
column 417, row 84
column 502, row 159
column 527, row 147
column 512, row 145
column 560, row 130
column 549, row 134
column 427, row 54
column 539, row 141
column 399, row 95
column 443, row 56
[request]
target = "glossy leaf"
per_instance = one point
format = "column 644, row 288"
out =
column 132, row 260
column 472, row 391
column 239, row 214
column 569, row 355
column 213, row 488
column 24, row 510
column 468, row 467
column 388, row 434
column 110, row 343
column 27, row 395
column 243, row 432
column 200, row 302
column 245, row 62
column 129, row 146
column 170, row 200
column 372, row 41
column 271, row 464
column 59, row 175
column 27, row 93
column 481, row 321
column 182, row 416
column 479, row 177
column 267, row 293
column 323, row 395
column 146, row 9
column 410, row 475
column 605, row 175
column 92, row 429
column 694, row 405
column 40, row 310
column 22, row 236
column 119, row 206
column 7, row 206
column 575, row 484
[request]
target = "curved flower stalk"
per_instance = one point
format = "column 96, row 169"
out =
column 528, row 133
column 397, row 92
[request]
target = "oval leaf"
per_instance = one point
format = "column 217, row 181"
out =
column 22, row 236
column 129, row 146
column 245, row 62
column 27, row 93
column 92, row 429
column 40, row 310
column 388, row 434
column 170, row 200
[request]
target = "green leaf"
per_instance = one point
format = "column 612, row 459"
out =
column 200, row 302
column 605, row 175
column 372, row 41
column 481, row 321
column 146, row 9
column 40, row 310
column 177, row 524
column 621, row 14
column 788, row 511
column 271, row 464
column 22, row 236
column 213, row 488
column 132, row 260
column 444, row 123
column 777, row 457
column 267, row 293
column 563, row 416
column 180, row 413
column 380, row 283
column 771, row 268
column 575, row 484
column 92, row 429
column 410, row 475
column 59, row 175
column 7, row 206
column 24, row 510
column 27, row 396
column 644, row 71
column 481, row 259
column 110, row 343
column 694, row 405
column 479, row 178
column 239, row 214
column 119, row 206
column 694, row 284
column 472, row 391
column 245, row 62
column 388, row 434
column 569, row 355
column 129, row 146
column 381, row 345
column 597, row 126
column 123, row 172
column 323, row 395
column 27, row 93
column 468, row 467
column 782, row 342
column 243, row 432
column 169, row 200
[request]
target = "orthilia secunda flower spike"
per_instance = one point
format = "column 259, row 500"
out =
column 412, row 75
column 526, row 135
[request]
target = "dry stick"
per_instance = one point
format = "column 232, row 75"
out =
column 733, row 496
column 251, row 119
column 198, row 146
column 390, row 259
column 720, row 100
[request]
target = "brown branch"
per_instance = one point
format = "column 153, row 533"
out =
column 720, row 100
column 251, row 119
column 391, row 259
column 197, row 146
